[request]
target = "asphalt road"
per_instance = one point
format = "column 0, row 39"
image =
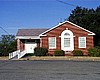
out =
column 49, row 70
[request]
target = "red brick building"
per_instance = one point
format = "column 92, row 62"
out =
column 65, row 36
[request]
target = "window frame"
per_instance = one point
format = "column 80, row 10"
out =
column 79, row 42
column 67, row 38
column 54, row 47
column 71, row 47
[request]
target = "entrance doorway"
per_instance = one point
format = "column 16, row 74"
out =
column 29, row 47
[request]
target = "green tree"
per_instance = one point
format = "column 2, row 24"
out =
column 7, row 44
column 88, row 19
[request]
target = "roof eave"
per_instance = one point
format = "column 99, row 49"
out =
column 27, row 37
column 91, row 33
column 53, row 27
column 42, row 35
column 81, row 28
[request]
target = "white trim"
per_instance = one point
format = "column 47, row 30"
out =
column 55, row 43
column 91, row 34
column 66, row 28
column 60, row 36
column 42, row 35
column 80, row 42
column 81, row 28
column 27, row 37
column 69, row 23
column 71, row 48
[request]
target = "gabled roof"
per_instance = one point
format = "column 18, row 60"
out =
column 31, row 32
column 91, row 33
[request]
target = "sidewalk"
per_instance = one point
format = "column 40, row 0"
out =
column 73, row 58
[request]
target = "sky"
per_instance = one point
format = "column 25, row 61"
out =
column 24, row 14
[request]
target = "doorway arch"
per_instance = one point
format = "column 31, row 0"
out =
column 67, row 40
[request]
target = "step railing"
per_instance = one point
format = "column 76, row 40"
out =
column 21, row 54
column 13, row 54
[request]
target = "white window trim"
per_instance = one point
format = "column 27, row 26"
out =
column 55, row 43
column 71, row 48
column 68, row 43
column 79, row 42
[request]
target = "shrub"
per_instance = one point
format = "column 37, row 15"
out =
column 59, row 53
column 77, row 53
column 94, row 52
column 39, row 51
column 1, row 54
column 28, row 54
column 98, row 47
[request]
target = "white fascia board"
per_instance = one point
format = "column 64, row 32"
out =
column 42, row 35
column 59, row 36
column 27, row 37
column 91, row 33
column 52, row 28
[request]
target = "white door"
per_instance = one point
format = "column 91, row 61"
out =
column 29, row 47
column 67, row 40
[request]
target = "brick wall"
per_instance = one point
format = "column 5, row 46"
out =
column 77, row 32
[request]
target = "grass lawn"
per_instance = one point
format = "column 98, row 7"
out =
column 4, row 57
column 74, row 58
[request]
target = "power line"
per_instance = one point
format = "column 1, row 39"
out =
column 4, row 30
column 73, row 6
column 66, row 3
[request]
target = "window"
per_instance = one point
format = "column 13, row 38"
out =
column 66, row 42
column 66, row 34
column 82, row 42
column 52, row 42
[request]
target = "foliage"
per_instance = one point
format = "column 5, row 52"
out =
column 59, row 53
column 88, row 19
column 39, row 51
column 77, row 53
column 94, row 52
column 7, row 44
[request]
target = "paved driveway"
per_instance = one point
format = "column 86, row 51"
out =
column 49, row 70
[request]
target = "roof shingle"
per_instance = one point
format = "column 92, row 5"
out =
column 30, row 32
